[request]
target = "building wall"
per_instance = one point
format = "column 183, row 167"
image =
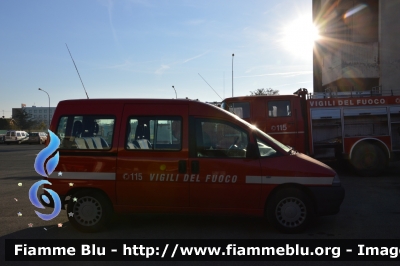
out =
column 41, row 114
column 360, row 48
column 390, row 45
column 351, row 60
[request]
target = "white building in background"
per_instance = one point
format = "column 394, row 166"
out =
column 40, row 114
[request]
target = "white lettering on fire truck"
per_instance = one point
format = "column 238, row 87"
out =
column 282, row 127
column 322, row 103
column 348, row 102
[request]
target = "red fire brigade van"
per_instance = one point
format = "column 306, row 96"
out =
column 364, row 129
column 148, row 155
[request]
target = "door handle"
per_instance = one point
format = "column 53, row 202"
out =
column 182, row 167
column 195, row 167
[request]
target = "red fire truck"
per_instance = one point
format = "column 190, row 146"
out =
column 363, row 129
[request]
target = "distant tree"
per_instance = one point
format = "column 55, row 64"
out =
column 263, row 91
column 24, row 120
column 40, row 126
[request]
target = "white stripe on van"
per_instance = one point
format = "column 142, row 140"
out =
column 289, row 179
column 83, row 175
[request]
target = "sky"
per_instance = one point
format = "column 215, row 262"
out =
column 141, row 48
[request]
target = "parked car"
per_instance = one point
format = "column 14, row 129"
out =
column 37, row 138
column 16, row 136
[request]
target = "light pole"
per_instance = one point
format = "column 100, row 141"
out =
column 176, row 96
column 232, row 73
column 49, row 104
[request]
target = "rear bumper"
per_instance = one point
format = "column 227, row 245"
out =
column 327, row 199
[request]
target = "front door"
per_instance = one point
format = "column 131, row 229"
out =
column 220, row 173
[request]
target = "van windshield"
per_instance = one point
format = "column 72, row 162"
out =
column 277, row 143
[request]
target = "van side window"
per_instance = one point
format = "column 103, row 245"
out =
column 264, row 149
column 279, row 108
column 154, row 133
column 86, row 132
column 220, row 139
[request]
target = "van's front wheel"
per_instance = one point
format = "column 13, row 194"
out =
column 289, row 210
column 88, row 211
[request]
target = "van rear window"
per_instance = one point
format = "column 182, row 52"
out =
column 86, row 132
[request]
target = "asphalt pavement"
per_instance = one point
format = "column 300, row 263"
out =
column 370, row 210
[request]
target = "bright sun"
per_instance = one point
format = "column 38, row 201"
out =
column 299, row 36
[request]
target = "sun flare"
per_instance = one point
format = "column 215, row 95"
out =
column 299, row 36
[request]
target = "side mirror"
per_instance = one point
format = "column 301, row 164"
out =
column 252, row 151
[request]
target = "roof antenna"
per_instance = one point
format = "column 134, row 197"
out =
column 176, row 96
column 77, row 71
column 210, row 86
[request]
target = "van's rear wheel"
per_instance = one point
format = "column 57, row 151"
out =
column 290, row 210
column 90, row 212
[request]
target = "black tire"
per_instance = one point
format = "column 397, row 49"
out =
column 368, row 160
column 91, row 211
column 290, row 210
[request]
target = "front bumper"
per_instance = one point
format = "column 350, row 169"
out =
column 327, row 199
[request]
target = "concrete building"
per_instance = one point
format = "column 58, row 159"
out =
column 359, row 48
column 40, row 114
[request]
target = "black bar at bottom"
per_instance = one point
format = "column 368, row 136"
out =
column 202, row 250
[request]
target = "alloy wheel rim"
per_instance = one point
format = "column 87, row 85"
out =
column 87, row 211
column 291, row 212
